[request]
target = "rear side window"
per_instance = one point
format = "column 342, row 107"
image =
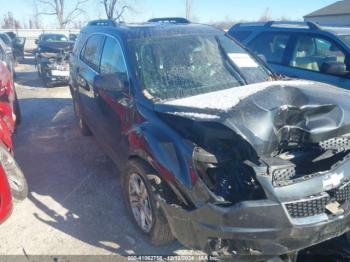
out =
column 240, row 35
column 92, row 51
column 272, row 46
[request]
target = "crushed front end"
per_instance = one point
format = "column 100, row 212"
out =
column 273, row 171
column 53, row 67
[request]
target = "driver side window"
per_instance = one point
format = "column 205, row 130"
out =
column 113, row 62
column 319, row 55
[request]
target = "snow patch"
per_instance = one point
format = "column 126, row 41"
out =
column 196, row 115
column 228, row 98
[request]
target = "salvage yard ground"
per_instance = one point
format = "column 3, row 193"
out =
column 75, row 205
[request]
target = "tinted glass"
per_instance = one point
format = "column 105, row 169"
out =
column 240, row 35
column 54, row 38
column 320, row 55
column 92, row 50
column 112, row 60
column 181, row 66
column 271, row 45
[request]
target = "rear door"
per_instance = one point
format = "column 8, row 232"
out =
column 86, row 71
column 114, row 105
column 274, row 48
column 319, row 58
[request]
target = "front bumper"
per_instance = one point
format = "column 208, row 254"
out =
column 57, row 76
column 250, row 228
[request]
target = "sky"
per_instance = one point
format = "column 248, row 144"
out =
column 204, row 11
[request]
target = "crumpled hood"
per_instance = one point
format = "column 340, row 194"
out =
column 272, row 113
column 56, row 47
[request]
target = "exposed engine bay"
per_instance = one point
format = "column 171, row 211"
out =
column 261, row 148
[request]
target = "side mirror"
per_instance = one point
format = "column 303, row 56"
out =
column 111, row 82
column 263, row 58
column 36, row 41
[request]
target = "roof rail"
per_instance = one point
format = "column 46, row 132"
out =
column 102, row 22
column 311, row 25
column 170, row 20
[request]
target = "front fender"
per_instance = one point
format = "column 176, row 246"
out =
column 164, row 150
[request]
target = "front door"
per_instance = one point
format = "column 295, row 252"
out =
column 113, row 101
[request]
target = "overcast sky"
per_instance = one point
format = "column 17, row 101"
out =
column 204, row 10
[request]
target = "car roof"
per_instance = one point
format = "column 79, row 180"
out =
column 150, row 29
column 6, row 39
column 292, row 25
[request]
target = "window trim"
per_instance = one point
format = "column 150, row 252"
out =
column 315, row 35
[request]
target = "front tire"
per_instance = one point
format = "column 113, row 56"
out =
column 142, row 205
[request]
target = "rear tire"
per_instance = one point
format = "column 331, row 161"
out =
column 15, row 176
column 158, row 231
column 83, row 127
column 17, row 111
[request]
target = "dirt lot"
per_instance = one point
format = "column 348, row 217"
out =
column 74, row 205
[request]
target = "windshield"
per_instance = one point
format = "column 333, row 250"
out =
column 182, row 66
column 54, row 38
column 346, row 39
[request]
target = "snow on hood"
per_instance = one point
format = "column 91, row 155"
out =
column 224, row 100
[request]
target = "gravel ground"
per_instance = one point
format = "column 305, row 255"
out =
column 74, row 205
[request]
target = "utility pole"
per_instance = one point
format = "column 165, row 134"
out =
column 188, row 9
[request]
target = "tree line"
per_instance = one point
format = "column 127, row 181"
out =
column 70, row 16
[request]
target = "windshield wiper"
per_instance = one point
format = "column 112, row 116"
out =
column 235, row 70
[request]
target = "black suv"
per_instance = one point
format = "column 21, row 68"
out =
column 217, row 152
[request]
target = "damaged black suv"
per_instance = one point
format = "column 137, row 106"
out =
column 218, row 152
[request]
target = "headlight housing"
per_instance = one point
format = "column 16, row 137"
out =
column 230, row 179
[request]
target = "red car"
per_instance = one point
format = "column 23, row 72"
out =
column 5, row 196
column 12, row 181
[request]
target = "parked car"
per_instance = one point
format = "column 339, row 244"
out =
column 12, row 181
column 73, row 37
column 5, row 196
column 52, row 55
column 300, row 50
column 18, row 44
column 216, row 152
column 6, row 56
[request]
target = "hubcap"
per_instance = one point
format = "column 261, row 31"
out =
column 140, row 203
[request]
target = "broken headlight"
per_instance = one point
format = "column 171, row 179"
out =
column 230, row 179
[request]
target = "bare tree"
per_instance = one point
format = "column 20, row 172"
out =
column 9, row 22
column 57, row 8
column 35, row 20
column 189, row 4
column 266, row 15
column 115, row 9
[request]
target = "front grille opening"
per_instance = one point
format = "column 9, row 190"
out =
column 308, row 208
column 317, row 205
column 304, row 162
